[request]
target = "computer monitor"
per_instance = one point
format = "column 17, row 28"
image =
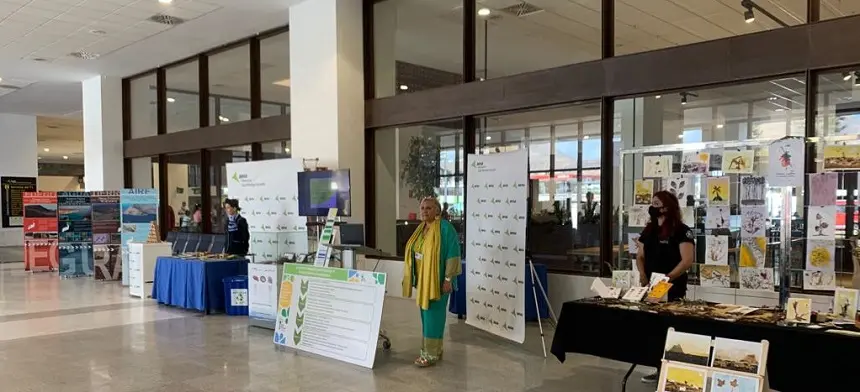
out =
column 352, row 234
column 321, row 190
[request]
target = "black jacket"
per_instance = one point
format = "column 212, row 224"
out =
column 237, row 242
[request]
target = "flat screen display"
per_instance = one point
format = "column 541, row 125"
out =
column 321, row 190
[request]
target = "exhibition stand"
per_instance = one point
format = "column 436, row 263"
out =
column 194, row 283
column 40, row 231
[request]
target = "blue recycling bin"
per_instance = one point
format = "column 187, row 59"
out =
column 236, row 295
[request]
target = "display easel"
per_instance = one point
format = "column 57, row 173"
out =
column 536, row 283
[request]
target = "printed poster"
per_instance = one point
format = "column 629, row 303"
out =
column 785, row 162
column 695, row 162
column 13, row 199
column 332, row 312
column 659, row 166
column 263, row 292
column 738, row 161
column 752, row 190
column 643, row 192
column 718, row 191
column 842, row 157
column 107, row 239
column 680, row 185
column 40, row 231
column 75, row 234
column 496, row 228
column 138, row 210
column 822, row 189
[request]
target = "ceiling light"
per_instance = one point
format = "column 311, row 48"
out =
column 585, row 137
column 223, row 119
column 282, row 82
column 171, row 99
column 40, row 158
column 1, row 79
column 778, row 109
column 720, row 126
column 46, row 149
column 749, row 16
column 484, row 12
column 680, row 136
column 489, row 137
column 683, row 100
column 404, row 87
column 165, row 1
column 658, row 96
column 685, row 94
column 846, row 76
column 286, row 149
column 65, row 157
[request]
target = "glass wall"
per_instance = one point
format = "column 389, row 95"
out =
column 513, row 38
column 144, row 112
column 219, row 158
column 838, row 9
column 230, row 86
column 277, row 150
column 275, row 74
column 563, row 146
column 184, row 191
column 411, row 163
column 417, row 45
column 711, row 148
column 183, row 97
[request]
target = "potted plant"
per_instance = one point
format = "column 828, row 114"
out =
column 420, row 169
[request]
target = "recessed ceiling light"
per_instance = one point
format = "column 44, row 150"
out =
column 46, row 149
column 489, row 137
column 84, row 55
column 658, row 96
column 404, row 87
column 282, row 83
column 484, row 11
column 586, row 137
column 40, row 158
column 171, row 99
column 65, row 157
column 165, row 1
column 720, row 126
column 287, row 149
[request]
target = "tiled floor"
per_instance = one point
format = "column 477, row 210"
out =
column 81, row 335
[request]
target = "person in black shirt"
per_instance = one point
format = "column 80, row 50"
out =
column 665, row 246
column 236, row 229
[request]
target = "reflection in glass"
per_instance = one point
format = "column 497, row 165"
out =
column 184, row 179
column 183, row 102
column 219, row 158
column 275, row 74
column 144, row 112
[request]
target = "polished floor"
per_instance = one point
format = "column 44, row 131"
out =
column 80, row 335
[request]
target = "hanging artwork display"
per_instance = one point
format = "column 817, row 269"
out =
column 679, row 185
column 738, row 355
column 785, row 162
column 753, row 221
column 715, row 276
column 659, row 166
column 753, row 252
column 717, row 249
column 638, row 216
column 798, row 310
column 820, row 254
column 822, row 189
column 633, row 243
column 756, row 278
column 752, row 191
column 644, row 191
column 718, row 191
column 674, row 377
column 695, row 162
column 821, row 222
column 717, row 218
column 842, row 157
column 845, row 303
column 731, row 382
column 688, row 216
column 738, row 161
column 716, row 161
column 819, row 280
column 687, row 347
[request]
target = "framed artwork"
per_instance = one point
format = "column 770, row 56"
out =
column 687, row 347
column 798, row 310
column 845, row 304
column 738, row 355
column 730, row 382
column 675, row 377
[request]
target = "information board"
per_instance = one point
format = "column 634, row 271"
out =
column 332, row 312
column 138, row 209
column 106, row 235
column 40, row 231
column 13, row 199
column 75, row 234
column 263, row 292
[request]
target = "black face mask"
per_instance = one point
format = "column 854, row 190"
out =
column 654, row 212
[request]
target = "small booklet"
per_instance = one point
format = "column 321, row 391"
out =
column 659, row 292
column 635, row 294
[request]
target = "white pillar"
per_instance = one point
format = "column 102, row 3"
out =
column 103, row 156
column 19, row 152
column 327, row 89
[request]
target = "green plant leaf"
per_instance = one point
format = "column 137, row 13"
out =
column 420, row 170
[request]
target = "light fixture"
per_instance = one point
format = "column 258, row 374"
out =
column 65, row 157
column 404, row 87
column 489, row 137
column 720, row 126
column 484, row 12
column 171, row 99
column 680, row 136
column 1, row 79
column 46, row 149
column 846, row 76
column 282, row 82
column 223, row 119
column 685, row 95
column 749, row 16
column 856, row 78
column 658, row 96
column 585, row 137
column 683, row 99
column 165, row 1
column 39, row 158
column 286, row 149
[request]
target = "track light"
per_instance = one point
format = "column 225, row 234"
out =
column 749, row 15
column 685, row 95
column 484, row 12
column 846, row 76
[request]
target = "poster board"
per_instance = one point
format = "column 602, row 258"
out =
column 263, row 292
column 12, row 199
column 326, row 235
column 138, row 210
column 107, row 240
column 268, row 195
column 75, row 234
column 40, row 231
column 332, row 312
column 495, row 253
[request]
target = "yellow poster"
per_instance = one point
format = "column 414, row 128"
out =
column 738, row 161
column 842, row 157
column 644, row 190
column 753, row 252
column 718, row 191
column 286, row 294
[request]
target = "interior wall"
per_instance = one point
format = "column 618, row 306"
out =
column 58, row 184
column 19, row 152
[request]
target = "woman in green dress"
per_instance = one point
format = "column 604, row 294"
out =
column 431, row 267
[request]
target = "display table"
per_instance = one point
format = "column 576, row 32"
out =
column 193, row 283
column 457, row 303
column 638, row 337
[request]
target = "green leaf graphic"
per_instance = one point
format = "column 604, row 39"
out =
column 302, row 302
column 297, row 337
column 300, row 319
column 305, row 285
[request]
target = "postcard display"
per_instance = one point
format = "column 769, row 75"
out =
column 75, row 234
column 107, row 238
column 495, row 253
column 696, row 363
column 40, row 231
column 703, row 180
column 138, row 210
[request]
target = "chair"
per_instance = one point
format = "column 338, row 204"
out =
column 205, row 243
column 219, row 244
column 171, row 236
column 193, row 241
column 179, row 244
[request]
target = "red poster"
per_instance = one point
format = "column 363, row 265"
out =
column 40, row 231
column 41, row 254
column 40, row 225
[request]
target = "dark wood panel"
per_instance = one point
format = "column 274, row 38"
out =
column 821, row 45
column 232, row 134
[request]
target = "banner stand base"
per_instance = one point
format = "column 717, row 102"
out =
column 536, row 283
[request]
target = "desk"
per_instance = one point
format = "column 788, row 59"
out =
column 457, row 303
column 638, row 337
column 193, row 283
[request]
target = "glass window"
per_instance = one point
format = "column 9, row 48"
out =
column 275, row 74
column 413, row 162
column 564, row 214
column 514, row 38
column 642, row 26
column 183, row 187
column 183, row 97
column 692, row 138
column 144, row 172
column 230, row 86
column 417, row 45
column 220, row 190
column 144, row 111
column 838, row 9
column 277, row 150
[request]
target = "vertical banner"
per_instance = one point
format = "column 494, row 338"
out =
column 268, row 195
column 495, row 252
column 75, row 234
column 263, row 292
column 138, row 209
column 13, row 199
column 40, row 231
column 106, row 235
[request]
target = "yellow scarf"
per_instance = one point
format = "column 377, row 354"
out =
column 428, row 280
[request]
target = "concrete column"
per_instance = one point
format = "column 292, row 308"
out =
column 19, row 158
column 327, row 89
column 103, row 159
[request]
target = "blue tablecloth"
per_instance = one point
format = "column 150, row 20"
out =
column 457, row 303
column 194, row 284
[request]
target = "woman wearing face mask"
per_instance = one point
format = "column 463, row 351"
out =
column 665, row 246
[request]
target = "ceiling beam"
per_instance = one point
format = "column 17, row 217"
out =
column 769, row 54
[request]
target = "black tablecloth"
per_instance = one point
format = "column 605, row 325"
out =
column 799, row 359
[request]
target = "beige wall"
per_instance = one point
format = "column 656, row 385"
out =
column 58, row 184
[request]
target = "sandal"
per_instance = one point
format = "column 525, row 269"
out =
column 423, row 362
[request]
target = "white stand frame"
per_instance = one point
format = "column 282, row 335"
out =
column 536, row 283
